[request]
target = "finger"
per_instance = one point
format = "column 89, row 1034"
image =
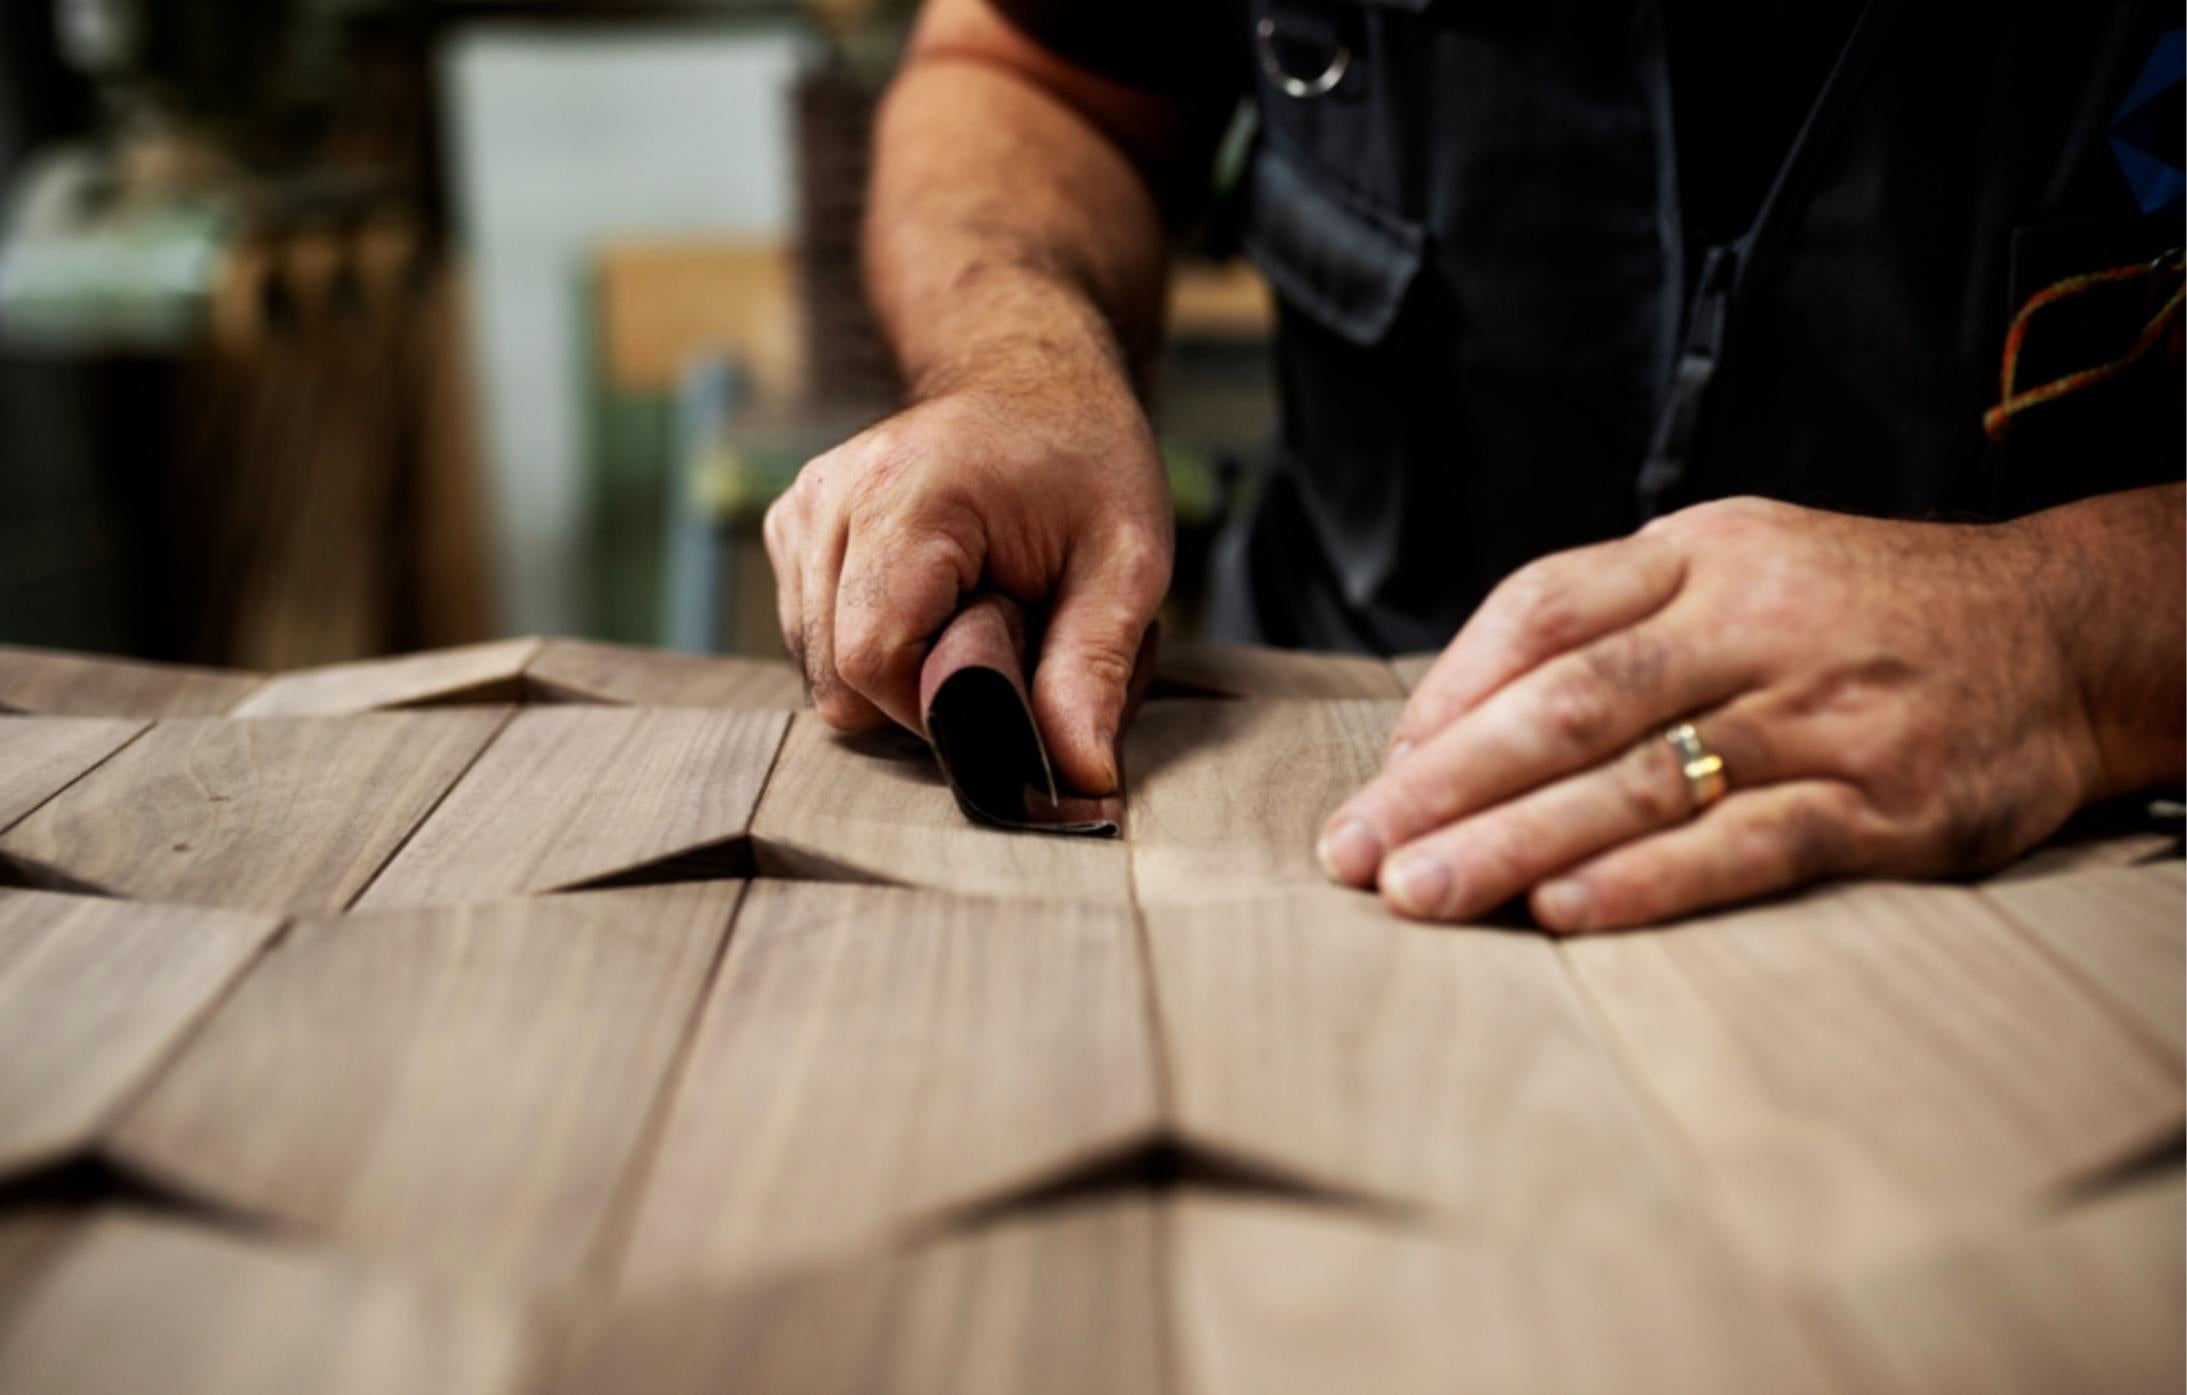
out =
column 1542, row 610
column 894, row 597
column 838, row 703
column 782, row 531
column 1101, row 612
column 1483, row 861
column 1755, row 842
column 1572, row 712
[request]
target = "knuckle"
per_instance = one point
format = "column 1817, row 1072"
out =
column 1810, row 838
column 1577, row 711
column 1634, row 661
column 1651, row 785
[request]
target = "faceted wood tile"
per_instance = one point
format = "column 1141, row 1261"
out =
column 1188, row 669
column 479, row 673
column 573, row 670
column 54, row 683
column 40, row 756
column 2124, row 929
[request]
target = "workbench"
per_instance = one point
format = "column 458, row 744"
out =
column 546, row 1016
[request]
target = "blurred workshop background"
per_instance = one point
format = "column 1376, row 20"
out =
column 335, row 327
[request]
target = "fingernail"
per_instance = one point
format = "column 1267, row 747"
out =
column 1349, row 852
column 1564, row 905
column 1420, row 885
column 1398, row 752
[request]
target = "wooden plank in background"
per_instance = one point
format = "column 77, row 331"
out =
column 875, row 808
column 1058, row 1301
column 1189, row 669
column 490, row 672
column 136, row 1303
column 1227, row 798
column 39, row 756
column 281, row 814
column 1869, row 1071
column 1273, row 1298
column 872, row 1056
column 570, row 795
column 464, row 1088
column 1411, row 668
column 1452, row 1069
column 573, row 670
column 93, row 995
column 2125, row 929
column 55, row 683
column 2086, row 1300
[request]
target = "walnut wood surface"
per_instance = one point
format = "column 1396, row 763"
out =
column 871, row 1056
column 54, row 683
column 570, row 795
column 40, row 756
column 463, row 1088
column 1187, row 669
column 475, row 673
column 282, row 813
column 574, row 670
column 2124, row 929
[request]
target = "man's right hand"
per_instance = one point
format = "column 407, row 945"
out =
column 1046, row 488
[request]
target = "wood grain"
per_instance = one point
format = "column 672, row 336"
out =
column 53, row 683
column 1273, row 1298
column 490, row 673
column 1227, row 798
column 1189, row 669
column 463, row 1088
column 1867, row 1072
column 2124, row 929
column 2087, row 1300
column 1411, row 668
column 281, row 814
column 871, row 1056
column 875, row 808
column 1451, row 1069
column 1058, row 1301
column 570, row 795
column 39, row 756
column 93, row 995
column 136, row 1303
column 571, row 670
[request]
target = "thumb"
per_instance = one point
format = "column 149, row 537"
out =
column 1100, row 615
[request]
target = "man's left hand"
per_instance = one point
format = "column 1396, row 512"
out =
column 1889, row 699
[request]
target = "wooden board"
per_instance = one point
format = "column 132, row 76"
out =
column 52, row 683
column 570, row 795
column 40, row 756
column 1273, row 1298
column 1058, row 1301
column 93, row 995
column 1411, row 668
column 490, row 672
column 1228, row 798
column 2088, row 1300
column 1188, row 669
column 871, row 1057
column 1868, row 1072
column 281, row 814
column 875, row 808
column 2124, row 929
column 464, row 1088
column 571, row 670
column 1449, row 1069
column 136, row 1303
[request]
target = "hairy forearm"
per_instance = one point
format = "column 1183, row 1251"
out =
column 2114, row 576
column 1006, row 234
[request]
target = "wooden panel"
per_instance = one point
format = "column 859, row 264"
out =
column 875, row 808
column 1228, row 797
column 570, row 670
column 1411, row 668
column 1273, row 1298
column 136, row 1303
column 1455, row 1069
column 52, row 683
column 282, row 814
column 492, row 672
column 1252, row 671
column 93, row 993
column 39, row 756
column 1059, row 1301
column 463, row 1087
column 569, row 795
column 871, row 1056
column 2071, row 853
column 1871, row 1070
column 2089, row 1300
column 2124, row 929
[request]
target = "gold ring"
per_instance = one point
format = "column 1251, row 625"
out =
column 1706, row 778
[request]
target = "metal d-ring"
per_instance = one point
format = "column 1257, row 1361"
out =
column 1340, row 62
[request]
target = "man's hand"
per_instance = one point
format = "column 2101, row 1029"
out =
column 1048, row 491
column 1889, row 699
